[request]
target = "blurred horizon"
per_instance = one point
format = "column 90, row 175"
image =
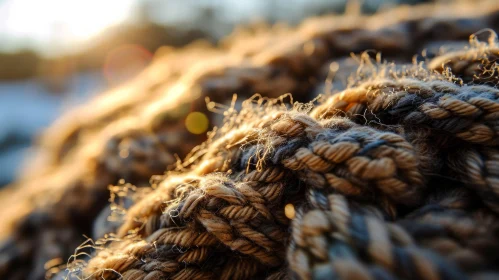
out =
column 52, row 28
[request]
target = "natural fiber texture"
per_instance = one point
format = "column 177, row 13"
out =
column 477, row 66
column 376, row 200
column 394, row 177
column 372, row 201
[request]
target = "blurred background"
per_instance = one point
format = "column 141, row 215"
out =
column 55, row 54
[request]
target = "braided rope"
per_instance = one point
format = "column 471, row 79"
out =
column 474, row 66
column 198, row 226
column 235, row 212
column 339, row 163
column 413, row 128
column 477, row 167
column 467, row 113
column 336, row 240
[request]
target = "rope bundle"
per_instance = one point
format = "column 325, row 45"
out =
column 367, row 199
column 373, row 207
column 382, row 153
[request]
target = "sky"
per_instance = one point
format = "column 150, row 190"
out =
column 57, row 23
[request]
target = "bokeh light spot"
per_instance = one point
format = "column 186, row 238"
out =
column 196, row 123
column 289, row 211
column 124, row 153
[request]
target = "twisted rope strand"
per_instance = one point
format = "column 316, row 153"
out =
column 474, row 66
column 467, row 113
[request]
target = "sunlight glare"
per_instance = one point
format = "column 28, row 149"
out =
column 72, row 21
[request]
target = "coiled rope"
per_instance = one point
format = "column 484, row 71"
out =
column 410, row 196
column 385, row 149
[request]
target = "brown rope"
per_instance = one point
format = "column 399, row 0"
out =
column 372, row 209
column 378, row 145
column 465, row 113
column 474, row 66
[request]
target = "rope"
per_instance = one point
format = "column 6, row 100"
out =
column 368, row 205
column 384, row 146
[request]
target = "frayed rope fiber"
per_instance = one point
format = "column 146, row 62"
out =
column 396, row 176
